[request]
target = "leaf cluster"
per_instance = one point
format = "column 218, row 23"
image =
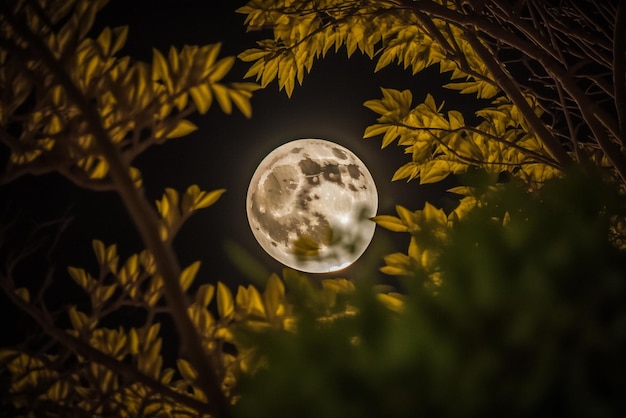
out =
column 138, row 104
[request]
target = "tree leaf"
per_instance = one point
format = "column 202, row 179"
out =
column 99, row 251
column 223, row 98
column 221, row 68
column 391, row 223
column 204, row 295
column 225, row 303
column 188, row 275
column 133, row 341
column 207, row 199
column 184, row 127
column 186, row 370
column 202, row 97
column 23, row 294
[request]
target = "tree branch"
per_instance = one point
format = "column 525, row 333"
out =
column 551, row 65
column 619, row 68
column 510, row 88
column 83, row 349
column 141, row 212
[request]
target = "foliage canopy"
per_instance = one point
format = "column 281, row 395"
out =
column 503, row 308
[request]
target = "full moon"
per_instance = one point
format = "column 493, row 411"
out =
column 309, row 204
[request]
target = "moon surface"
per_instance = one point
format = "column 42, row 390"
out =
column 309, row 204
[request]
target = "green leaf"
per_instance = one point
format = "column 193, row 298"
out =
column 184, row 127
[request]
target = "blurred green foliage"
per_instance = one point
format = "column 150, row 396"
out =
column 530, row 320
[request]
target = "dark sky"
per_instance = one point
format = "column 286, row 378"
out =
column 225, row 151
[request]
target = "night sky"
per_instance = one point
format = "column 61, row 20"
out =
column 226, row 149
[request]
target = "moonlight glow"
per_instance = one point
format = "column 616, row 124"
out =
column 309, row 204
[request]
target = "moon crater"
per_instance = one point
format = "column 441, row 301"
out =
column 315, row 192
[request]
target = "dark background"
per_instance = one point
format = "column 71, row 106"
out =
column 222, row 153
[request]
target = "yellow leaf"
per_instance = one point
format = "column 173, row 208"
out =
column 167, row 375
column 152, row 333
column 432, row 214
column 376, row 105
column 251, row 301
column 181, row 101
column 186, row 370
column 456, row 119
column 221, row 68
column 99, row 250
column 409, row 170
column 274, row 295
column 242, row 102
column 305, row 245
column 120, row 34
column 252, row 54
column 204, row 295
column 135, row 175
column 80, row 277
column 23, row 294
column 100, row 170
column 392, row 301
column 202, row 97
column 375, row 130
column 434, row 171
column 223, row 98
column 160, row 70
column 269, row 72
column 225, row 303
column 90, row 68
column 390, row 222
column 104, row 293
column 394, row 271
column 133, row 341
column 397, row 260
column 188, row 274
column 407, row 216
column 79, row 320
column 184, row 127
column 132, row 266
column 207, row 199
column 173, row 60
